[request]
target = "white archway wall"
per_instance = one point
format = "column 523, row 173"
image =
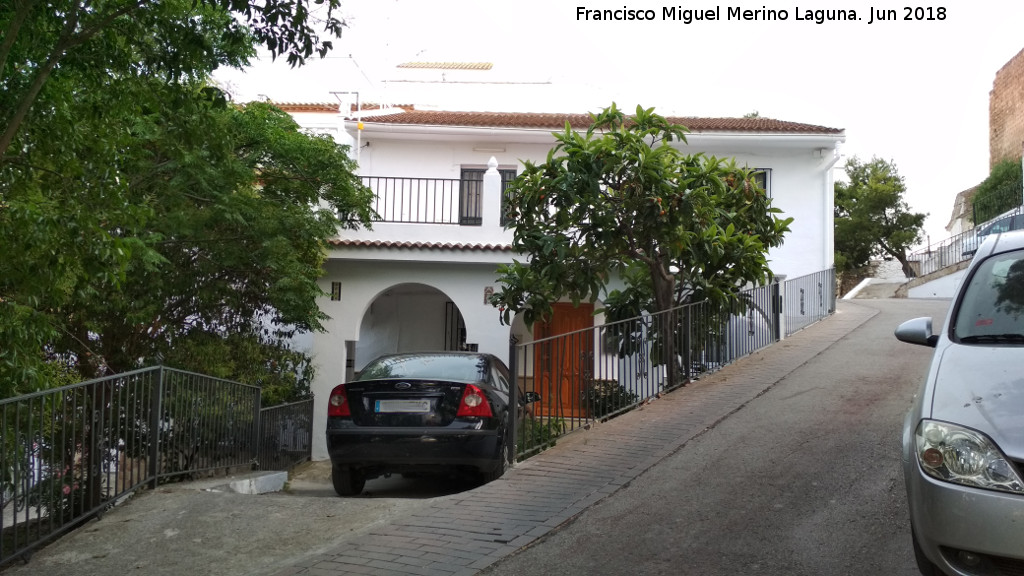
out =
column 404, row 318
column 365, row 283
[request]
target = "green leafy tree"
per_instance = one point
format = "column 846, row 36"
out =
column 622, row 200
column 115, row 155
column 50, row 40
column 872, row 219
column 230, row 257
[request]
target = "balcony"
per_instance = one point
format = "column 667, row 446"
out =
column 436, row 211
column 427, row 200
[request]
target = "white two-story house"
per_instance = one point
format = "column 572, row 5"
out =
column 420, row 279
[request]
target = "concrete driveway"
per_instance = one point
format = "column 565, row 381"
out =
column 203, row 528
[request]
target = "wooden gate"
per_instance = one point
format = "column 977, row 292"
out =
column 563, row 365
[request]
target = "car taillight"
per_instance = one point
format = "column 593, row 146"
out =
column 338, row 403
column 474, row 403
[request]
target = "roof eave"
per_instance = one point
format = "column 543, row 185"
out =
column 544, row 135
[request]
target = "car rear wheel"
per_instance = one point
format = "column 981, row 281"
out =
column 347, row 481
column 924, row 565
column 500, row 467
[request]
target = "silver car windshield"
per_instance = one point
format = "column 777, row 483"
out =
column 992, row 308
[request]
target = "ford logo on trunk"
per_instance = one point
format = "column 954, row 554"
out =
column 403, row 386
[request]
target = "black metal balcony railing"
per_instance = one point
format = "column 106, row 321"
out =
column 427, row 200
column 69, row 453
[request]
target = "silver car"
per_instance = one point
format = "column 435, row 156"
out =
column 963, row 439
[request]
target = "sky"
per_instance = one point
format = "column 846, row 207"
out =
column 913, row 92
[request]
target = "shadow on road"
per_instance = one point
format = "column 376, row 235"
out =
column 313, row 479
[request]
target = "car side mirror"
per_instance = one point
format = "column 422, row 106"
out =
column 917, row 331
column 530, row 397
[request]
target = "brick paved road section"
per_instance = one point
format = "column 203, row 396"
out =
column 465, row 533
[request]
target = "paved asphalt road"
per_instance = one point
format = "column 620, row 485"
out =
column 804, row 480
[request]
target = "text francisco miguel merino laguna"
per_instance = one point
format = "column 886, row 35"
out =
column 693, row 15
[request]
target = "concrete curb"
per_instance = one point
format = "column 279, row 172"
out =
column 259, row 483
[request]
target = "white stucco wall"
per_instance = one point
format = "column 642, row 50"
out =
column 802, row 187
column 944, row 287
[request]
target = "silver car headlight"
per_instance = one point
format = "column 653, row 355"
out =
column 956, row 454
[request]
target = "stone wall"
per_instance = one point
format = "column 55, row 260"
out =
column 1006, row 112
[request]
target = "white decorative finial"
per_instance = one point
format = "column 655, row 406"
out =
column 492, row 164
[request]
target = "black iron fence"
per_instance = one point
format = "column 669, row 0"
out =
column 427, row 200
column 593, row 374
column 285, row 438
column 996, row 202
column 953, row 250
column 69, row 453
column 809, row 299
column 950, row 251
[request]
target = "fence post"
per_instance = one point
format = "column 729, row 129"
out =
column 92, row 460
column 776, row 303
column 687, row 343
column 155, row 407
column 783, row 303
column 831, row 274
column 254, row 452
column 513, row 399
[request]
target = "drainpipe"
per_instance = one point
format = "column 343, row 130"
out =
column 830, row 199
column 359, row 119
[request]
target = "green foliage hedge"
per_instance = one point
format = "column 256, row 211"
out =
column 1003, row 190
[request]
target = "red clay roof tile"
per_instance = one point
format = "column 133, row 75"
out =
column 581, row 121
column 421, row 245
column 447, row 65
column 329, row 108
column 408, row 115
column 292, row 107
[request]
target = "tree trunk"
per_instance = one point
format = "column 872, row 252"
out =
column 664, row 288
column 908, row 270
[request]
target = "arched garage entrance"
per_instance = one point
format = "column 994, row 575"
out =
column 408, row 317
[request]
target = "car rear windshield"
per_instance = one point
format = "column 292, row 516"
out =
column 993, row 302
column 448, row 367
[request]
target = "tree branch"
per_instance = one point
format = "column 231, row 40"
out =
column 68, row 39
column 21, row 11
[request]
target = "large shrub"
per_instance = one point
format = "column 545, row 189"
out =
column 1003, row 190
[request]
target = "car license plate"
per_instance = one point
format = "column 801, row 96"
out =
column 407, row 406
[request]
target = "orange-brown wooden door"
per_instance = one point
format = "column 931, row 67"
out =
column 562, row 365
